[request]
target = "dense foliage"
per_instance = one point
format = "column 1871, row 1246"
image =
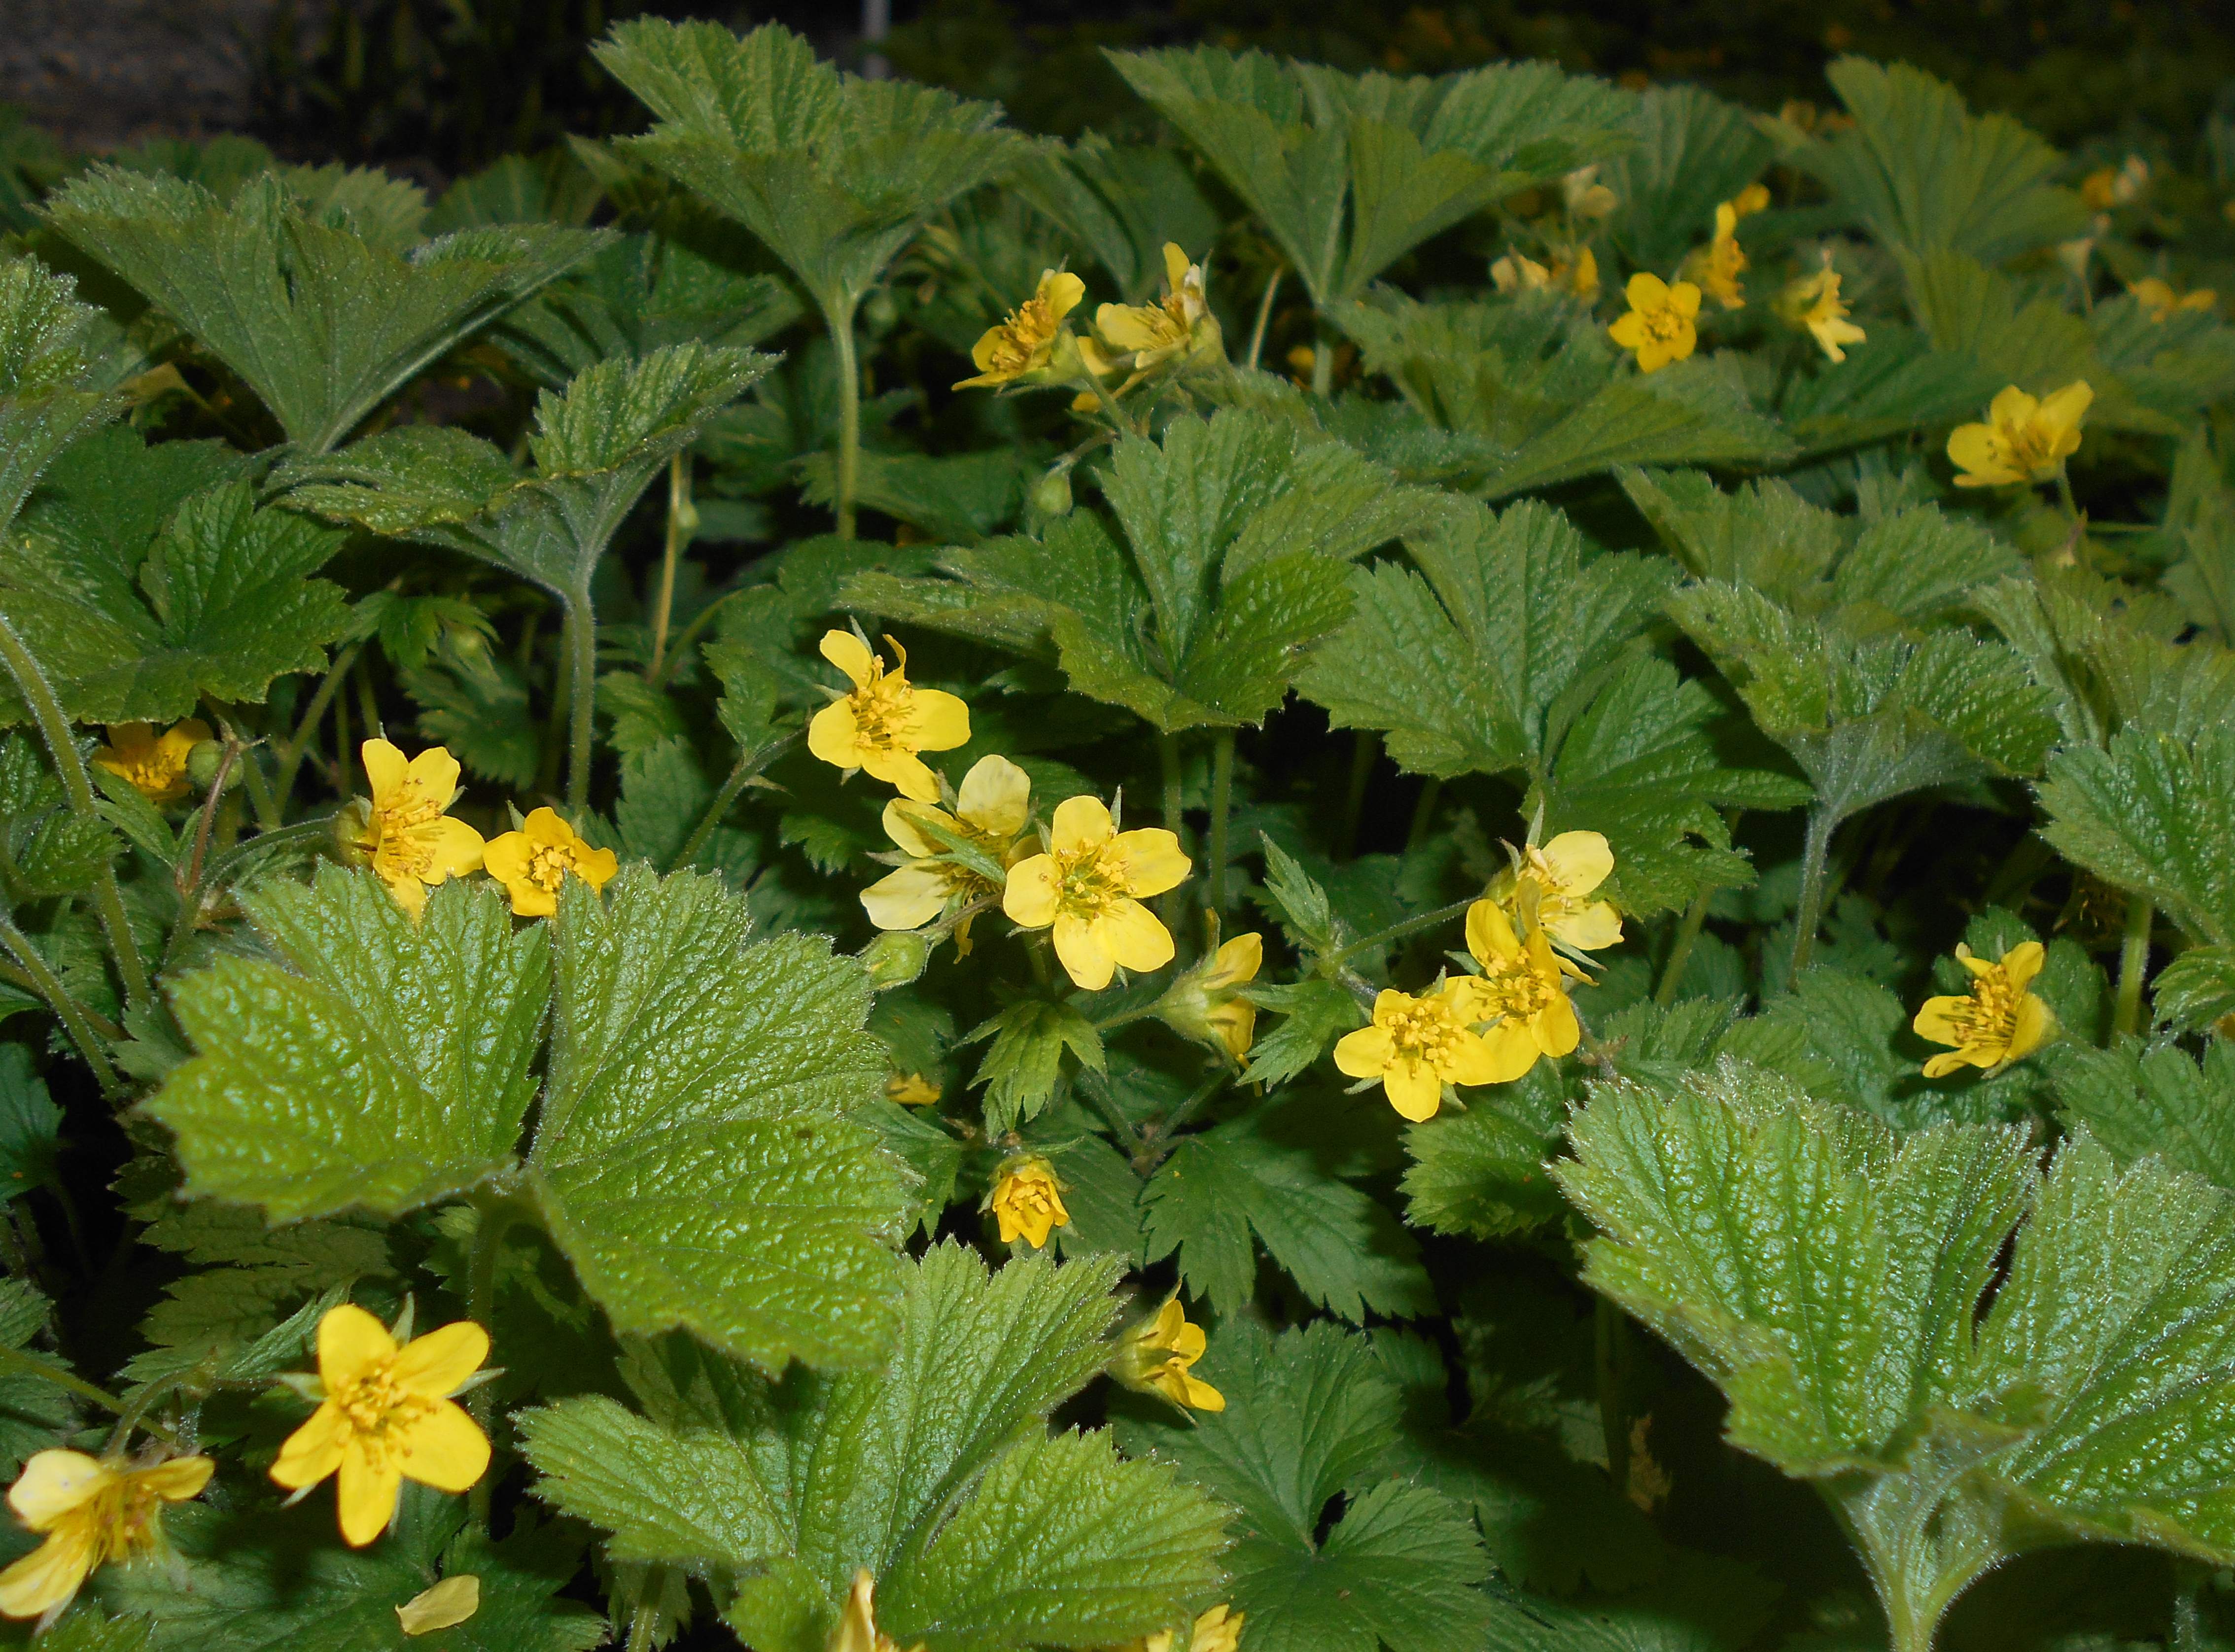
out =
column 1441, row 864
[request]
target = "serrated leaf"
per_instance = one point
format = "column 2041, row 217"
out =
column 47, row 397
column 955, row 500
column 34, row 1412
column 1482, row 1172
column 693, row 1154
column 1020, row 1072
column 382, row 1062
column 2142, row 813
column 2143, row 1100
column 2195, row 990
column 1345, row 1252
column 30, row 1125
column 322, row 322
column 1314, row 1015
column 919, row 1473
column 1692, row 150
column 1303, row 905
column 1121, row 202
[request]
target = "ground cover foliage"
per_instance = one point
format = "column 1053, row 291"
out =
column 1441, row 864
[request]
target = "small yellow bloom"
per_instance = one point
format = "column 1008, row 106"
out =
column 1716, row 266
column 403, row 834
column 91, row 1512
column 1206, row 1004
column 1573, row 269
column 1416, row 1046
column 2159, row 298
column 1517, row 272
column 1753, row 199
column 857, row 1629
column 1181, row 325
column 2023, row 440
column 2108, row 187
column 886, row 720
column 1215, row 1631
column 1027, row 1201
column 1522, row 992
column 1086, row 885
column 912, row 1090
column 534, row 861
column 1584, row 195
column 445, row 1606
column 1156, row 1356
column 1813, row 302
column 1997, row 1022
column 157, row 766
column 1560, row 876
column 387, row 1417
column 1026, row 341
column 1659, row 324
column 990, row 812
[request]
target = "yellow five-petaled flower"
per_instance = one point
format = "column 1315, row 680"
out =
column 1155, row 1357
column 1086, row 886
column 1153, row 333
column 886, row 719
column 990, row 811
column 2000, row 1020
column 1521, row 993
column 91, row 1512
column 2023, row 440
column 534, row 861
column 1561, row 877
column 1659, row 325
column 403, row 834
column 386, row 1417
column 1812, row 304
column 1024, row 343
column 1027, row 1201
column 155, row 765
column 1416, row 1046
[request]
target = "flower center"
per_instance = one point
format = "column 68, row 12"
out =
column 1424, row 1032
column 548, row 866
column 1991, row 1013
column 2029, row 444
column 1093, row 881
column 121, row 1517
column 381, row 1414
column 1664, row 325
column 1023, row 336
column 1514, row 989
column 884, row 707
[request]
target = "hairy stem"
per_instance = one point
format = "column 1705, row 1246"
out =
column 749, row 763
column 22, row 1364
column 48, row 986
column 1222, row 804
column 1364, row 748
column 1410, row 927
column 1680, row 954
column 681, row 519
column 1815, row 853
column 190, row 876
column 849, row 417
column 582, row 695
column 53, row 727
column 1264, row 315
column 497, row 1217
column 688, row 635
column 2134, row 966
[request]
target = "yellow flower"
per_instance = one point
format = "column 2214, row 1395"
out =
column 1659, row 324
column 1996, row 1022
column 1517, row 272
column 1584, row 195
column 1027, row 1200
column 990, row 812
column 1561, row 877
column 1156, row 1355
column 157, row 766
column 1522, row 992
column 1572, row 270
column 912, row 1090
column 445, row 1606
column 1205, row 1003
column 2156, row 297
column 387, row 1416
column 2108, row 187
column 1416, row 1046
column 1579, row 275
column 857, row 1629
column 402, row 833
column 1086, row 886
column 1215, row 1631
column 1716, row 266
column 534, row 861
column 1813, row 302
column 1181, row 325
column 1026, row 341
column 91, row 1512
column 886, row 720
column 1753, row 199
column 2023, row 440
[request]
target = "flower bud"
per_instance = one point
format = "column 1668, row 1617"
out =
column 1205, row 1003
column 895, row 958
column 1051, row 494
column 1027, row 1201
column 353, row 834
column 202, row 763
column 1156, row 1356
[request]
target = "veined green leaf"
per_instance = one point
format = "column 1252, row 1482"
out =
column 2141, row 812
column 1692, row 150
column 2142, row 1100
column 47, row 397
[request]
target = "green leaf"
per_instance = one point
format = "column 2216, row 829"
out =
column 1020, row 1072
column 1308, row 1414
column 1482, row 1172
column 34, row 1412
column 1303, row 906
column 380, row 1062
column 2195, row 990
column 1693, row 152
column 2143, row 813
column 1346, row 1253
column 2143, row 1100
column 694, row 1156
column 321, row 321
column 30, row 1125
column 956, row 500
column 1926, row 175
column 46, row 398
column 1313, row 1014
column 931, row 1473
column 1122, row 203
column 139, row 594
column 1703, row 1604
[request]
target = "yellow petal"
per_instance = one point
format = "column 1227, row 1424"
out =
column 1941, row 1065
column 1471, row 1061
column 435, row 1365
column 1363, row 1054
column 2011, row 406
column 1060, row 291
column 596, row 867
column 1176, row 266
column 1032, row 891
column 506, row 858
column 1149, row 861
column 453, row 847
column 1513, row 1050
column 48, row 1576
column 847, row 652
column 900, row 818
column 2029, row 1028
column 1684, row 300
column 2023, row 962
column 1935, row 1020
column 313, row 1451
column 903, row 770
column 52, row 1483
column 1490, row 933
column 1413, row 1090
column 1240, row 959
column 1595, row 928
column 832, row 736
column 435, row 773
column 445, row 1448
column 1977, row 449
column 1628, row 332
column 1647, row 291
column 1078, row 944
column 384, row 768
column 1132, row 935
column 1580, row 861
column 1080, row 823
column 1556, row 1030
column 2064, row 410
column 941, row 721
column 447, row 1604
column 366, row 1494
column 1200, row 1396
column 906, row 898
column 996, row 797
column 1129, row 328
column 179, row 1480
column 350, row 1342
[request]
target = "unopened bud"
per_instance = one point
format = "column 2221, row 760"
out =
column 895, row 958
column 1052, row 494
column 202, row 761
column 352, row 829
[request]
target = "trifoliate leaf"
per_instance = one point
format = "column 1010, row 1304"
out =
column 2144, row 813
column 1345, row 1252
column 1020, row 1073
column 47, row 397
column 321, row 321
column 1309, row 1414
column 927, row 1473
column 693, row 1157
column 380, row 1062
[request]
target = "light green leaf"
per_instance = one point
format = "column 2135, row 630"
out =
column 2195, row 990
column 2145, row 813
column 380, row 1062
column 956, row 500
column 1020, row 1073
column 47, row 397
column 2155, row 1099
column 1693, row 152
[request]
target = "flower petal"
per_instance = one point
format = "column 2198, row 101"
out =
column 1597, row 927
column 1365, row 1053
column 1414, row 1089
column 48, row 1576
column 366, row 1494
column 1080, row 823
column 179, row 1480
column 435, row 1365
column 1556, row 1028
column 2064, row 410
column 1152, row 860
column 1060, row 291
column 445, row 1448
column 434, row 773
column 1078, row 944
column 1034, row 890
column 1936, row 1020
column 53, row 1482
column 2029, row 1028
column 1134, row 936
column 350, row 1342
column 1579, row 862
column 1647, row 291
column 904, row 771
column 2023, row 962
column 906, row 898
column 2012, row 406
column 384, row 769
column 453, row 847
column 446, row 1605
column 832, row 736
column 1490, row 935
column 903, row 821
column 1200, row 1396
column 941, row 721
column 847, row 652
column 1240, row 959
column 313, row 1451
column 1513, row 1050
column 996, row 797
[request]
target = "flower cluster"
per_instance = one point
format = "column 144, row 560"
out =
column 1131, row 342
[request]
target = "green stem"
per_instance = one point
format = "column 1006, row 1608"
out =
column 2134, row 966
column 1364, row 749
column 1167, row 760
column 1815, row 852
column 497, row 1217
column 1323, row 365
column 54, row 728
column 190, row 879
column 1221, row 804
column 23, row 1363
column 849, row 417
column 48, row 986
column 562, row 698
column 644, row 1622
column 1096, row 1088
column 1611, row 1348
column 1410, row 927
column 681, row 519
column 582, row 695
column 1157, row 1140
column 21, row 978
column 1264, row 315
column 1423, row 814
column 749, row 763
column 689, row 634
column 1680, row 953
